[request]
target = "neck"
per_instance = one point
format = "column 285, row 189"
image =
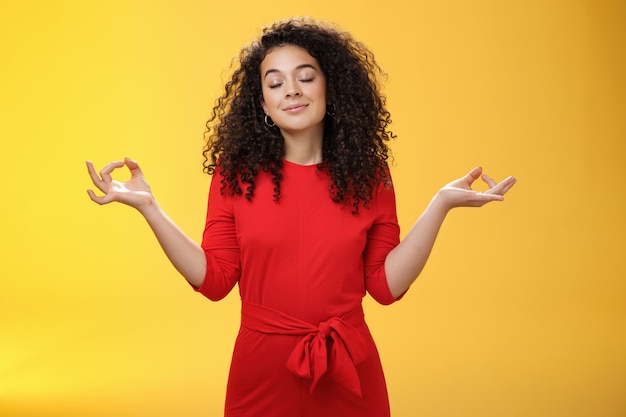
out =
column 303, row 149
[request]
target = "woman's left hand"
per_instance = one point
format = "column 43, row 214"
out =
column 459, row 193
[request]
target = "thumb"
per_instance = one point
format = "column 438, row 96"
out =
column 133, row 166
column 473, row 175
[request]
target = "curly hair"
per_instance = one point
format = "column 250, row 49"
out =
column 354, row 149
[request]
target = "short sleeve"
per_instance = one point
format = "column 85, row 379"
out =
column 383, row 236
column 220, row 244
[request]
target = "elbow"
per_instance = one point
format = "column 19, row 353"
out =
column 212, row 290
column 385, row 294
column 387, row 298
column 397, row 292
column 218, row 279
column 216, row 296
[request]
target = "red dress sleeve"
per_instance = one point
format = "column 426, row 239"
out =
column 383, row 236
column 220, row 244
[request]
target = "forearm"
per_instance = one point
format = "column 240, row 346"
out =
column 406, row 261
column 185, row 254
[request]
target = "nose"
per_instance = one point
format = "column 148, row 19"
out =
column 292, row 90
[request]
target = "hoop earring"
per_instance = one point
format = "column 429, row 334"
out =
column 330, row 110
column 270, row 120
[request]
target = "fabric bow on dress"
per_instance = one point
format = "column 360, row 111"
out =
column 333, row 348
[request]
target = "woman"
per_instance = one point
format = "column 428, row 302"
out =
column 301, row 215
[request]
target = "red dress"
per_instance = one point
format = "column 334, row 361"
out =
column 303, row 264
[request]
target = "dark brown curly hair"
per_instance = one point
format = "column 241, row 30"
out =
column 354, row 150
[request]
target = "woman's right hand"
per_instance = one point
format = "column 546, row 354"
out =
column 135, row 192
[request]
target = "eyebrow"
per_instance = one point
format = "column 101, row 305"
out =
column 269, row 71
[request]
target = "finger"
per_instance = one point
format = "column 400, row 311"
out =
column 478, row 199
column 483, row 198
column 105, row 173
column 133, row 166
column 475, row 173
column 472, row 176
column 105, row 199
column 490, row 182
column 91, row 170
column 95, row 178
column 486, row 198
column 504, row 186
column 508, row 183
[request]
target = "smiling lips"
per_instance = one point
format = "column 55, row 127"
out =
column 292, row 108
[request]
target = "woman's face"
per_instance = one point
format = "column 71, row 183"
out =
column 294, row 90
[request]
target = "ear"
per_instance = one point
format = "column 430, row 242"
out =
column 263, row 105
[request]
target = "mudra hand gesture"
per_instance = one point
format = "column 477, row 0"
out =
column 135, row 192
column 459, row 193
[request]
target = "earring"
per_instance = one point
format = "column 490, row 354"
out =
column 272, row 124
column 330, row 110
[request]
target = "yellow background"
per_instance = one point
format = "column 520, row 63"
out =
column 520, row 311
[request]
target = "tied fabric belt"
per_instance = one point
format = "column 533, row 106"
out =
column 313, row 356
